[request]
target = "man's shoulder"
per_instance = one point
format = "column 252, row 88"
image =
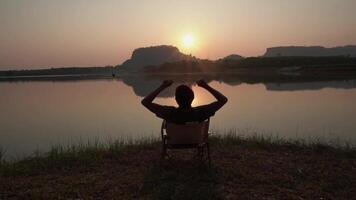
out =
column 206, row 111
column 169, row 107
column 164, row 112
column 205, row 107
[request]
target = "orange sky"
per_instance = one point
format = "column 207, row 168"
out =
column 42, row 33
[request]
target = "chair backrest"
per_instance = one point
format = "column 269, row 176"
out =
column 189, row 133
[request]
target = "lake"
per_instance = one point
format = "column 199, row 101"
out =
column 35, row 115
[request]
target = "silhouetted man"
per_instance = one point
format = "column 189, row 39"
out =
column 184, row 97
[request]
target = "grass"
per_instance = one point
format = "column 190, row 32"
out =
column 253, row 167
column 66, row 157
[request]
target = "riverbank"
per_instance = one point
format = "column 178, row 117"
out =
column 242, row 168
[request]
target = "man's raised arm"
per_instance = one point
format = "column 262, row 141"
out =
column 148, row 100
column 221, row 99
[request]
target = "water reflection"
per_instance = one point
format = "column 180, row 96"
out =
column 347, row 84
column 143, row 85
column 35, row 115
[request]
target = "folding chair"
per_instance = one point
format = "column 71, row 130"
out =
column 191, row 135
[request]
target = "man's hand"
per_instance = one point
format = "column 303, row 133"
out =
column 202, row 83
column 167, row 83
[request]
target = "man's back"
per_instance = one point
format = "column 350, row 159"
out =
column 184, row 97
column 183, row 115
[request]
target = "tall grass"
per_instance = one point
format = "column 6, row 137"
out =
column 72, row 155
column 253, row 138
column 90, row 154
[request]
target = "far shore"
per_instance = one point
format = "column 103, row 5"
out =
column 253, row 167
column 251, row 68
column 237, row 75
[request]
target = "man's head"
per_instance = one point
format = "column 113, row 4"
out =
column 184, row 96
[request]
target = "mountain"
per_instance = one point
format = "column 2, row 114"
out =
column 233, row 57
column 315, row 51
column 152, row 56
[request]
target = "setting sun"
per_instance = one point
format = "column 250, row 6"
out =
column 188, row 40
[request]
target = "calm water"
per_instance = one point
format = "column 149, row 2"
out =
column 36, row 115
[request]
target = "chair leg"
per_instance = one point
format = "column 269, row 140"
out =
column 208, row 149
column 202, row 153
column 164, row 152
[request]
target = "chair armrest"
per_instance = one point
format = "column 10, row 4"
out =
column 164, row 133
column 165, row 137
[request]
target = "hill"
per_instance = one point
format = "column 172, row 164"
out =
column 154, row 55
column 315, row 51
column 232, row 57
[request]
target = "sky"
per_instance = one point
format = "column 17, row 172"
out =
column 59, row 33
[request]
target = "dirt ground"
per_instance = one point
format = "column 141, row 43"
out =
column 237, row 172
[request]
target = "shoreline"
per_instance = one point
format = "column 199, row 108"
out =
column 242, row 167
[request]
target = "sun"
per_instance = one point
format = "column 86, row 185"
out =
column 188, row 40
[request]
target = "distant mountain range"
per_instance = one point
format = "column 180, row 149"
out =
column 156, row 58
column 315, row 51
column 168, row 59
column 164, row 59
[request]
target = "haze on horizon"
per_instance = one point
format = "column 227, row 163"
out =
column 42, row 33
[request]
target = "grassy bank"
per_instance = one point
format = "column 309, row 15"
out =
column 242, row 168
